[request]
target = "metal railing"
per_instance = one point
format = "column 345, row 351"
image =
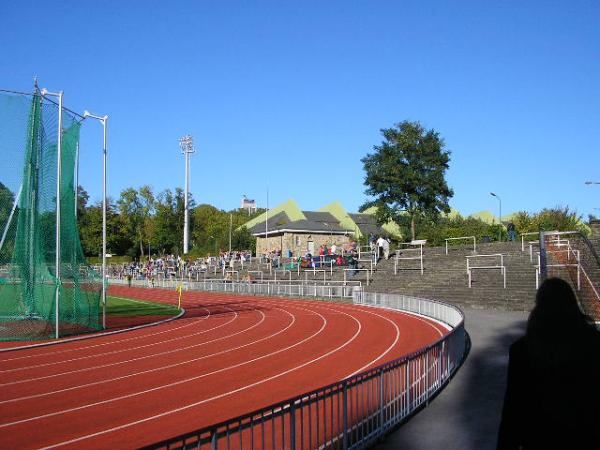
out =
column 494, row 265
column 355, row 412
column 283, row 288
column 462, row 238
column 588, row 264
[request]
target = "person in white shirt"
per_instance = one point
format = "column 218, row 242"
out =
column 380, row 247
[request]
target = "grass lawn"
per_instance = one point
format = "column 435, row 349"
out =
column 127, row 307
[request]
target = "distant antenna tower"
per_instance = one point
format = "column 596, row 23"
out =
column 186, row 143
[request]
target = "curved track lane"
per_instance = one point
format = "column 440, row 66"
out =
column 227, row 355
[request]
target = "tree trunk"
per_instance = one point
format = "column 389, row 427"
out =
column 413, row 230
column 141, row 247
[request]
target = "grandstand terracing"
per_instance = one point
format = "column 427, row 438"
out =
column 503, row 275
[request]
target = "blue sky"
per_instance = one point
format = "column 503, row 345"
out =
column 290, row 96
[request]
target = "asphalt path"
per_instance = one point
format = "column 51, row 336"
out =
column 466, row 414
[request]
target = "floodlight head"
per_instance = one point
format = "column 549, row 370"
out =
column 186, row 143
column 491, row 193
column 589, row 182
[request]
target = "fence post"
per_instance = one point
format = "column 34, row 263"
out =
column 292, row 426
column 213, row 439
column 427, row 376
column 381, row 402
column 407, row 386
column 345, row 418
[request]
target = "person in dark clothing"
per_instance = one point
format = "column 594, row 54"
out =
column 552, row 396
column 511, row 231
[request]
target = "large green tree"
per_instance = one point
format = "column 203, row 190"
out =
column 118, row 239
column 406, row 174
column 136, row 209
column 167, row 230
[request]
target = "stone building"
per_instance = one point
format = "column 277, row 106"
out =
column 289, row 229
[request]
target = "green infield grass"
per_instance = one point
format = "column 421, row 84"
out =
column 128, row 307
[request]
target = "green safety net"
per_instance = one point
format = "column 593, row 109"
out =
column 29, row 286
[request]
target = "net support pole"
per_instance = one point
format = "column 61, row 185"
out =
column 104, row 121
column 10, row 217
column 58, row 182
column 76, row 177
column 104, row 280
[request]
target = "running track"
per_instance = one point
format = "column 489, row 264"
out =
column 227, row 355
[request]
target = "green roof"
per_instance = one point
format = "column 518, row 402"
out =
column 337, row 210
column 290, row 208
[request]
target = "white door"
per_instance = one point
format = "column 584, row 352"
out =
column 310, row 246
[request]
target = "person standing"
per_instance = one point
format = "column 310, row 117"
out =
column 511, row 231
column 552, row 398
column 380, row 247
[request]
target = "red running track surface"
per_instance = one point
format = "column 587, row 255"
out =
column 227, row 355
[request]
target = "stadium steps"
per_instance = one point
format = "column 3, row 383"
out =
column 445, row 278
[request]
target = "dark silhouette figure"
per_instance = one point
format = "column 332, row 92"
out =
column 552, row 396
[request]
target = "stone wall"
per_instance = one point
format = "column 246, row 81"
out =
column 298, row 243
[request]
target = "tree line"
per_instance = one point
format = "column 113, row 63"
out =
column 142, row 222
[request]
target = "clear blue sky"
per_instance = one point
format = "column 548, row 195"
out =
column 291, row 95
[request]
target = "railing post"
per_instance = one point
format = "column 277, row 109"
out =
column 292, row 426
column 427, row 376
column 213, row 439
column 381, row 402
column 345, row 418
column 407, row 386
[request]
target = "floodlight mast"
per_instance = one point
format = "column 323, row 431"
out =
column 186, row 143
column 103, row 120
column 58, row 94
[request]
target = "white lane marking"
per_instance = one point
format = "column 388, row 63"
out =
column 115, row 352
column 156, row 369
column 176, row 383
column 224, row 394
column 118, row 342
column 390, row 348
column 127, row 361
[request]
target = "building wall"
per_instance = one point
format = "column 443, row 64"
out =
column 298, row 242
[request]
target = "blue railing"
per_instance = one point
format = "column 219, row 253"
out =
column 354, row 412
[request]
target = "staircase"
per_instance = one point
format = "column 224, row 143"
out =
column 445, row 278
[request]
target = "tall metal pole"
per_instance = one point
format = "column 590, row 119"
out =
column 76, row 177
column 104, row 121
column 104, row 280
column 186, row 217
column 58, row 182
column 186, row 143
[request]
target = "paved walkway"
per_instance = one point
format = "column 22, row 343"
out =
column 466, row 414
